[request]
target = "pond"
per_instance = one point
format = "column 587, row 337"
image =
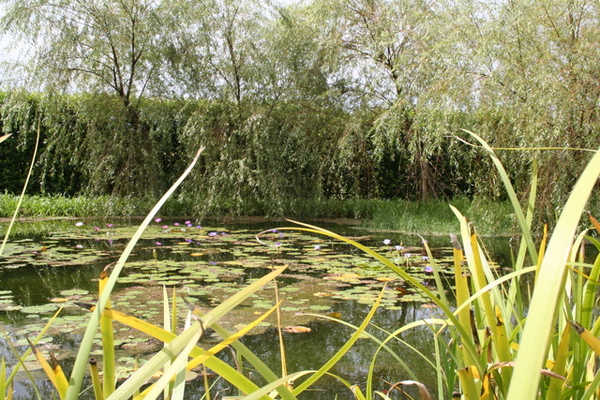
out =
column 57, row 263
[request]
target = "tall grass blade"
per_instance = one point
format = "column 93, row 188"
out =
column 174, row 348
column 547, row 290
column 282, row 356
column 18, row 207
column 86, row 344
column 96, row 383
column 6, row 386
column 342, row 351
column 462, row 331
column 219, row 311
column 108, row 344
column 560, row 365
column 52, row 370
column 21, row 359
column 265, row 390
column 512, row 195
column 587, row 337
column 167, row 327
column 260, row 367
column 177, row 367
column 226, row 342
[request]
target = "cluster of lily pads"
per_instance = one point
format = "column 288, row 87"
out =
column 198, row 258
column 206, row 265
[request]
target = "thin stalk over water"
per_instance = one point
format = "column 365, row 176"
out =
column 18, row 207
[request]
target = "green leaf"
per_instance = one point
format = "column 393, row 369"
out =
column 79, row 367
column 548, row 289
column 182, row 343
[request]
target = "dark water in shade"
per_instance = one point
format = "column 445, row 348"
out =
column 34, row 285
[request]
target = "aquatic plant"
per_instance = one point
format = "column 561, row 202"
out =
column 181, row 352
column 490, row 342
column 526, row 335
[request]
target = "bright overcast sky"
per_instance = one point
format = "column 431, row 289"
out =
column 10, row 53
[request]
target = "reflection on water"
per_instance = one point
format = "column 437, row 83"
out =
column 35, row 283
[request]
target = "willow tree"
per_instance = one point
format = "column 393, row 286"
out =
column 98, row 46
column 388, row 58
column 536, row 73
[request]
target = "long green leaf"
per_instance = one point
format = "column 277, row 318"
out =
column 14, row 217
column 512, row 195
column 468, row 346
column 263, row 391
column 86, row 343
column 219, row 311
column 547, row 290
column 176, row 368
column 342, row 351
column 260, row 367
column 173, row 349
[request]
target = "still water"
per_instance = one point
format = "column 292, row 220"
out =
column 53, row 264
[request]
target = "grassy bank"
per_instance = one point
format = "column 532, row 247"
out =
column 430, row 217
column 436, row 216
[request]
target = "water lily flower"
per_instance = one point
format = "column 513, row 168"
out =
column 109, row 225
column 199, row 227
column 280, row 234
column 79, row 223
column 189, row 225
column 176, row 224
column 397, row 247
column 428, row 269
column 277, row 244
column 387, row 242
column 188, row 222
column 212, row 234
column 157, row 220
column 96, row 228
column 425, row 258
column 165, row 226
column 79, row 246
column 158, row 243
column 317, row 247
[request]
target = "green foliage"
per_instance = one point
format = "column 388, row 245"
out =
column 434, row 216
column 324, row 99
column 512, row 337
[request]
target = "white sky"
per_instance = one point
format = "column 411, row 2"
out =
column 9, row 53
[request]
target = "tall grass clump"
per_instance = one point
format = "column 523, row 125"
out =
column 433, row 216
column 529, row 334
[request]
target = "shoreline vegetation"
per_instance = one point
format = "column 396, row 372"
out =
column 500, row 330
column 425, row 217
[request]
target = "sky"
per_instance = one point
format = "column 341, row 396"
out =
column 9, row 53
